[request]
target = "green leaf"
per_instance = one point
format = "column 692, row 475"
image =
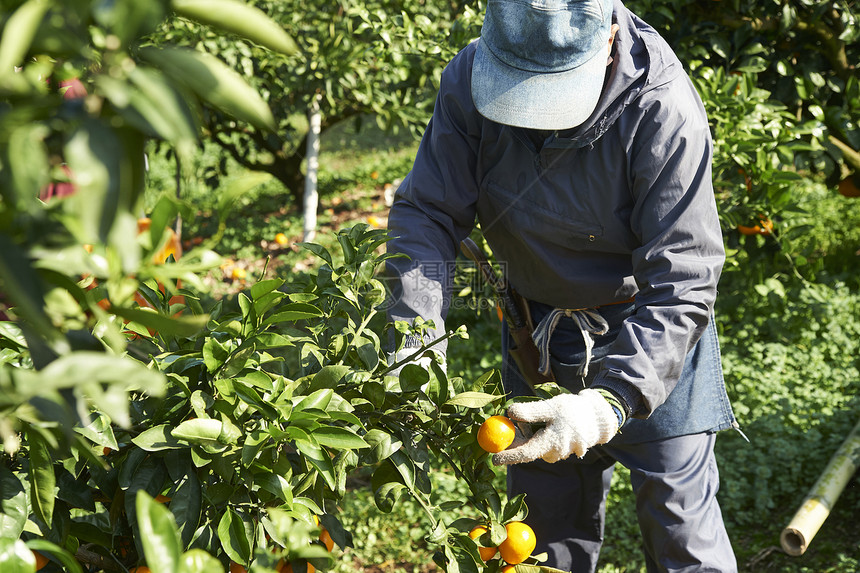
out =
column 203, row 431
column 99, row 431
column 328, row 377
column 339, row 438
column 42, row 478
column 319, row 459
column 382, row 445
column 235, row 537
column 156, row 439
column 18, row 34
column 240, row 19
column 186, row 505
column 180, row 326
column 262, row 288
column 318, row 400
column 318, row 250
column 292, row 312
column 16, row 557
column 95, row 154
column 250, row 396
column 413, row 377
column 198, row 561
column 13, row 504
column 158, row 535
column 214, row 82
column 22, row 285
column 215, row 354
column 387, row 486
column 473, row 399
column 276, row 485
column 44, row 546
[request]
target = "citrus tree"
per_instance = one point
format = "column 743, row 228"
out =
column 358, row 58
column 779, row 83
column 144, row 425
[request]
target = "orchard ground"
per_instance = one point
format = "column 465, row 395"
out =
column 785, row 342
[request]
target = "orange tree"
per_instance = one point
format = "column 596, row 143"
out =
column 366, row 58
column 220, row 436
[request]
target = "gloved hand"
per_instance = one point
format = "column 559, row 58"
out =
column 574, row 423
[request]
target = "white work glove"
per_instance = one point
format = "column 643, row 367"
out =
column 574, row 423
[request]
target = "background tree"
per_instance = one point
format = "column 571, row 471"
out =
column 378, row 59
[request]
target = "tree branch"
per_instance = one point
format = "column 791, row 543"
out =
column 849, row 154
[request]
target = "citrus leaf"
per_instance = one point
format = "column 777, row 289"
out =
column 319, row 459
column 16, row 557
column 18, row 34
column 328, row 377
column 183, row 325
column 13, row 504
column 240, row 19
column 235, row 537
column 198, row 561
column 293, row 312
column 44, row 546
column 186, row 506
column 158, row 535
column 339, row 438
column 382, row 445
column 42, row 479
column 156, row 439
column 473, row 399
column 214, row 82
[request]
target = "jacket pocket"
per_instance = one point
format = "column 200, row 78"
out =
column 527, row 216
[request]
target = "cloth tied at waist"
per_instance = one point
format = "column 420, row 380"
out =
column 590, row 322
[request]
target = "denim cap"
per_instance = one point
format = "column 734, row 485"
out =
column 540, row 64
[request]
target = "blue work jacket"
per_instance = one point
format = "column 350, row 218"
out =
column 619, row 207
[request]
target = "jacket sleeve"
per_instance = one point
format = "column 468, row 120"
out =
column 434, row 207
column 680, row 255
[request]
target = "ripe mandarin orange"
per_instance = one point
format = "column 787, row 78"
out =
column 496, row 434
column 325, row 537
column 519, row 544
column 41, row 560
column 486, row 553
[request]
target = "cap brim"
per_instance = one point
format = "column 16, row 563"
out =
column 559, row 100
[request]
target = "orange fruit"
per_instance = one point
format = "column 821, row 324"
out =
column 172, row 247
column 281, row 239
column 765, row 227
column 141, row 569
column 519, row 544
column 496, row 434
column 162, row 498
column 41, row 560
column 325, row 537
column 238, row 273
column 508, row 569
column 236, row 568
column 847, row 188
column 486, row 553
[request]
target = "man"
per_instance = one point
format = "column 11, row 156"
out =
column 572, row 132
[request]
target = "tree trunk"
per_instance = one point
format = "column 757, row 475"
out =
column 311, row 197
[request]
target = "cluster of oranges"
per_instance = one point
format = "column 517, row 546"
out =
column 494, row 435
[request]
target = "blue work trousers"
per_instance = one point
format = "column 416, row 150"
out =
column 670, row 457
